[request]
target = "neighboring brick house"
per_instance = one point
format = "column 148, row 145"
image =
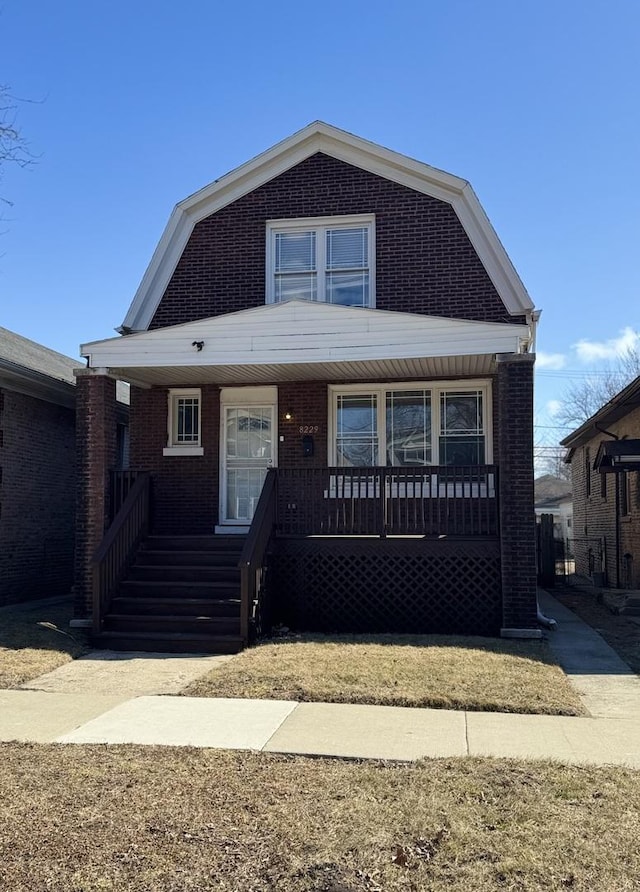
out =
column 342, row 322
column 606, row 503
column 37, row 469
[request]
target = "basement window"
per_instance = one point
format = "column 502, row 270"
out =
column 184, row 423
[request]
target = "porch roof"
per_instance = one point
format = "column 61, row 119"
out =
column 300, row 340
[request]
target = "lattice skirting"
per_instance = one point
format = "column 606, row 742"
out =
column 388, row 585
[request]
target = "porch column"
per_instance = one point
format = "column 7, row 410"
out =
column 95, row 456
column 517, row 518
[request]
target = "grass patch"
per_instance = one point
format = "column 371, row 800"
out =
column 395, row 670
column 28, row 648
column 105, row 819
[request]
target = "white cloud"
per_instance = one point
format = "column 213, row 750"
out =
column 551, row 360
column 553, row 407
column 590, row 351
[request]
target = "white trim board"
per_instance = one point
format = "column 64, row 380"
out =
column 321, row 137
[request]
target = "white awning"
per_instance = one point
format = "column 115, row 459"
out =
column 300, row 340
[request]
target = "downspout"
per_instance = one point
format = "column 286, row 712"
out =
column 617, row 505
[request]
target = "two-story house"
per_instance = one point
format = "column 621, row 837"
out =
column 331, row 368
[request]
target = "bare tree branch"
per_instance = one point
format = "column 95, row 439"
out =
column 14, row 149
column 581, row 399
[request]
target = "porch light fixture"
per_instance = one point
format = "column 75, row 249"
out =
column 617, row 455
column 288, row 416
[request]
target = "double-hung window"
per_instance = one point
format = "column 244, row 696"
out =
column 328, row 259
column 409, row 425
column 184, row 423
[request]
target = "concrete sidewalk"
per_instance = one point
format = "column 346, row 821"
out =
column 61, row 710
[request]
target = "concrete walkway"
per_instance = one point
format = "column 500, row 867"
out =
column 110, row 702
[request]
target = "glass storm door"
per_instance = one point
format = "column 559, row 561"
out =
column 248, row 451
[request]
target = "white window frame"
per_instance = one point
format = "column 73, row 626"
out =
column 320, row 225
column 436, row 388
column 173, row 447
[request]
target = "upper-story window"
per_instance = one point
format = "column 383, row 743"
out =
column 327, row 259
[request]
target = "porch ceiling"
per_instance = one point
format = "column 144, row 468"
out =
column 300, row 340
column 425, row 367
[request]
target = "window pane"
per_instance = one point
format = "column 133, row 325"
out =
column 408, row 427
column 357, row 430
column 357, row 453
column 187, row 420
column 461, row 412
column 296, row 287
column 295, row 251
column 462, row 450
column 347, row 248
column 348, row 289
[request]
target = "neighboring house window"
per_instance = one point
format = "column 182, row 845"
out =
column 624, row 493
column 405, row 426
column 184, row 423
column 603, row 485
column 329, row 259
column 587, row 471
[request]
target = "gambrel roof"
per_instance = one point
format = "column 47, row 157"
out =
column 321, row 137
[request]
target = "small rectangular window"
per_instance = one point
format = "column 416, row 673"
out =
column 184, row 423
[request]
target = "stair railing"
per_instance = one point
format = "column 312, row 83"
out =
column 116, row 552
column 254, row 594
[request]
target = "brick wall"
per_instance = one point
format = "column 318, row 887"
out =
column 185, row 488
column 594, row 515
column 425, row 262
column 514, row 455
column 96, row 450
column 37, row 467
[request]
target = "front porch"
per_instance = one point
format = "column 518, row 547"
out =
column 396, row 489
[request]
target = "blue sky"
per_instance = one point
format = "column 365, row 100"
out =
column 133, row 106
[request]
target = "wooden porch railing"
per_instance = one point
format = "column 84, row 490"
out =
column 436, row 500
column 120, row 482
column 117, row 550
column 254, row 595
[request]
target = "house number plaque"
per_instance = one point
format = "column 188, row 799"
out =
column 308, row 428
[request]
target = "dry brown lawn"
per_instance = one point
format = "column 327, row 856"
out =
column 28, row 648
column 98, row 819
column 395, row 670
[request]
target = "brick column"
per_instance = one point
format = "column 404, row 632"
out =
column 517, row 517
column 96, row 455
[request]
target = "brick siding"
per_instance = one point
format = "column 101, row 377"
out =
column 594, row 515
column 96, row 450
column 185, row 488
column 425, row 262
column 514, row 455
column 37, row 468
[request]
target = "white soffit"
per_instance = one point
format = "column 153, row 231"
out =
column 321, row 137
column 304, row 333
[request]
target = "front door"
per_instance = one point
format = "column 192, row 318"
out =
column 247, row 451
